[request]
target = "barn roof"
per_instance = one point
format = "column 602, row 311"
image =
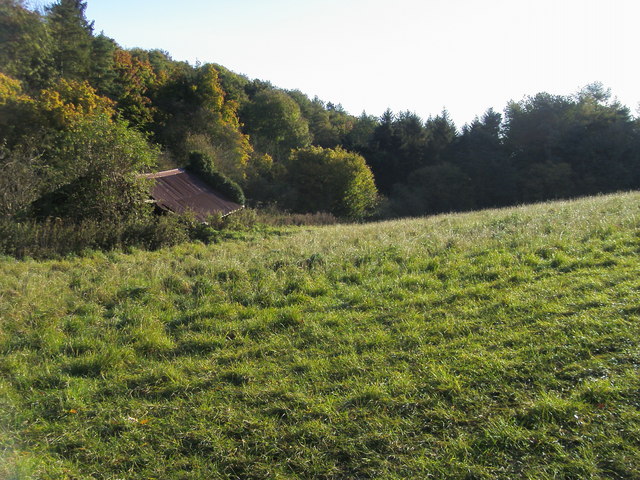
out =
column 179, row 191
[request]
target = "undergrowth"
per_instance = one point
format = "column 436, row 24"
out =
column 58, row 238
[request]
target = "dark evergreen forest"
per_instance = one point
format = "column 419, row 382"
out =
column 81, row 118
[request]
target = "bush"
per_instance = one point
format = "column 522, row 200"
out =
column 155, row 233
column 22, row 187
column 330, row 180
column 97, row 164
column 56, row 238
column 203, row 165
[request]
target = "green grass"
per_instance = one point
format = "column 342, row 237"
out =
column 498, row 344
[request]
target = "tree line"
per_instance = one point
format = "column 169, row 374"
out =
column 81, row 118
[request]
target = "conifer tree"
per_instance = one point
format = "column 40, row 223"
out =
column 72, row 37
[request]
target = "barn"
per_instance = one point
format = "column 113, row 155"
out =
column 181, row 191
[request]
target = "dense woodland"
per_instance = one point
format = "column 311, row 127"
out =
column 81, row 118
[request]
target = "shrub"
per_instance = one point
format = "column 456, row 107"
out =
column 56, row 237
column 203, row 165
column 155, row 233
column 330, row 180
column 23, row 186
column 96, row 165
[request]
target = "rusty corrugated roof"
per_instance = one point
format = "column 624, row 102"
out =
column 179, row 191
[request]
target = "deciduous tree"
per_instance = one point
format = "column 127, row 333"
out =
column 275, row 123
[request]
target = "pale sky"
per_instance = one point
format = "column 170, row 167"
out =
column 422, row 56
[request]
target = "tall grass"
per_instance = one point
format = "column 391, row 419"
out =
column 496, row 344
column 55, row 238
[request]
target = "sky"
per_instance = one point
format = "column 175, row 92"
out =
column 417, row 55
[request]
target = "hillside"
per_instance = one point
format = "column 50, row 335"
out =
column 496, row 344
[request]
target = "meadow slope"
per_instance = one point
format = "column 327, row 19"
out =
column 498, row 344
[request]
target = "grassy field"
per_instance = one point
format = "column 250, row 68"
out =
column 499, row 344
